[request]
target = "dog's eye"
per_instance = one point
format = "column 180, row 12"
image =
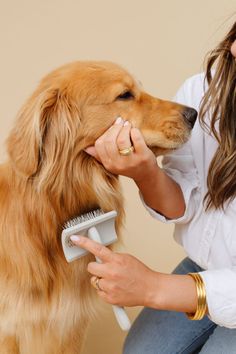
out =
column 127, row 95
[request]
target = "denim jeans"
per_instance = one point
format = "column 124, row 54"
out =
column 169, row 332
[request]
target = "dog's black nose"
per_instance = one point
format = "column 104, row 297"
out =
column 190, row 115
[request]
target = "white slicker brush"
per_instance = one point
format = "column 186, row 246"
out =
column 100, row 227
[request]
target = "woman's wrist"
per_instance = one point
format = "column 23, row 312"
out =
column 171, row 292
column 161, row 193
column 147, row 174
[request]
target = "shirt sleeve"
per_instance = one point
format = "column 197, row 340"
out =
column 220, row 287
column 180, row 166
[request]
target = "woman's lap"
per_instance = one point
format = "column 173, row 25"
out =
column 163, row 332
column 168, row 332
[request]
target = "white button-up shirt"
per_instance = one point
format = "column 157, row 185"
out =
column 208, row 237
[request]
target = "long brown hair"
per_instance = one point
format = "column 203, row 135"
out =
column 220, row 102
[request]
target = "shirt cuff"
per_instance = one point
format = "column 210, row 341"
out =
column 188, row 191
column 220, row 288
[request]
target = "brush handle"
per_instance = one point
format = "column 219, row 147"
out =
column 121, row 317
column 119, row 311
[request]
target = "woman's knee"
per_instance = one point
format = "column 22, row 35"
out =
column 222, row 340
column 146, row 334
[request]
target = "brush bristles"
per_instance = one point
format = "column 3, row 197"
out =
column 84, row 217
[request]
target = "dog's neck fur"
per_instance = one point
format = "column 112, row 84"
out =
column 39, row 213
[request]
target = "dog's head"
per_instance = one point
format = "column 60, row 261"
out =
column 74, row 105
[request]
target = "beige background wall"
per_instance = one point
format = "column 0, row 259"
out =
column 161, row 41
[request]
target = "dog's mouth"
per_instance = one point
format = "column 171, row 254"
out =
column 160, row 144
column 158, row 151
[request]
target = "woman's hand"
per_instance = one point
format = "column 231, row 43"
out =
column 124, row 280
column 119, row 136
column 159, row 191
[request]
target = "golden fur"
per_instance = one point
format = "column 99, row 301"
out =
column 45, row 303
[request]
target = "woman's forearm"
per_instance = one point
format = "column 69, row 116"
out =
column 172, row 292
column 161, row 193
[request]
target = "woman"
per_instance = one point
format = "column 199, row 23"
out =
column 196, row 190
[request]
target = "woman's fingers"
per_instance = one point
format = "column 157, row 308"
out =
column 116, row 138
column 105, row 146
column 120, row 278
column 97, row 283
column 97, row 249
column 120, row 136
column 138, row 141
column 110, row 138
column 123, row 140
column 99, row 269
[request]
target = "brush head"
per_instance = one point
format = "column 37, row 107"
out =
column 82, row 218
column 104, row 223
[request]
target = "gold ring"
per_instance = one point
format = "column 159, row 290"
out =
column 127, row 151
column 95, row 283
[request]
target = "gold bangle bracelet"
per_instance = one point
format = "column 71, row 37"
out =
column 201, row 298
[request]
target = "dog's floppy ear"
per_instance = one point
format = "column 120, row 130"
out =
column 47, row 111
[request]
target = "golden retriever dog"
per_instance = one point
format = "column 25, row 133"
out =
column 46, row 303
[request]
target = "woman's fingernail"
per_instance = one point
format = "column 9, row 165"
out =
column 127, row 123
column 75, row 238
column 119, row 120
